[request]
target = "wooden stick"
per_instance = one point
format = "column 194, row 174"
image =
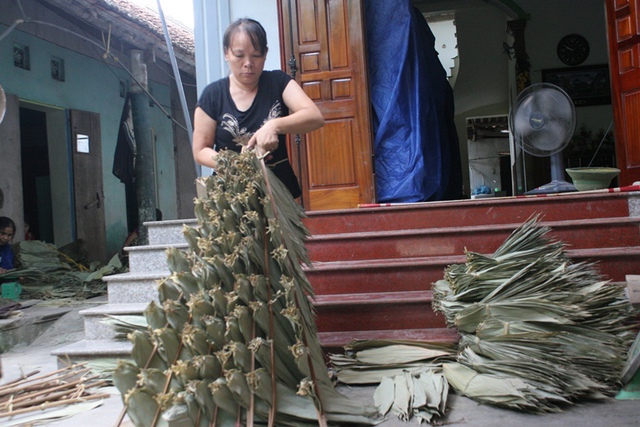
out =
column 53, row 386
column 3, row 389
column 61, row 395
column 46, row 406
column 50, row 392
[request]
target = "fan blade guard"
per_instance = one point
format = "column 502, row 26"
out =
column 543, row 119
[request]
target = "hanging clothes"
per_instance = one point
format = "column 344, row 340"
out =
column 417, row 154
column 125, row 154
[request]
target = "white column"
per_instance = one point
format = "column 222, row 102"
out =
column 211, row 18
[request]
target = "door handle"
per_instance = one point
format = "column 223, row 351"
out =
column 95, row 203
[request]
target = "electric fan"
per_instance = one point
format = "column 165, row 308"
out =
column 542, row 122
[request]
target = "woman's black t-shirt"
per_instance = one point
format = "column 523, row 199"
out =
column 235, row 128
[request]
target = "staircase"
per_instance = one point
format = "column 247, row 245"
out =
column 373, row 267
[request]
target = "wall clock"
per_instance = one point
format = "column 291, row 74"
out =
column 573, row 49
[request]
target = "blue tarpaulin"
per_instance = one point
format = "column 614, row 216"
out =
column 417, row 157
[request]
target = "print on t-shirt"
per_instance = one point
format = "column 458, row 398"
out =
column 241, row 136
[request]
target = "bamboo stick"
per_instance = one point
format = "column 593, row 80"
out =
column 20, row 379
column 46, row 406
column 53, row 383
column 39, row 378
column 50, row 393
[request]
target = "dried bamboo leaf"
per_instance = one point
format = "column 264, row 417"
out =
column 399, row 353
column 384, row 395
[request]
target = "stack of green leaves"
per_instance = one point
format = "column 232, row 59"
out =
column 409, row 375
column 233, row 341
column 45, row 272
column 537, row 331
column 370, row 361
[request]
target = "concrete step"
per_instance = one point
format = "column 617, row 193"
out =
column 134, row 287
column 376, row 311
column 95, row 327
column 418, row 273
column 168, row 232
column 462, row 213
column 334, row 342
column 150, row 258
column 331, row 342
column 389, row 244
column 87, row 350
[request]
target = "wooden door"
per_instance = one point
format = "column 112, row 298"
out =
column 336, row 161
column 623, row 23
column 87, row 183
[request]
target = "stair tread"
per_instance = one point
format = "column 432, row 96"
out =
column 479, row 211
column 381, row 263
column 340, row 339
column 95, row 348
column 115, row 309
column 417, row 297
column 148, row 275
column 162, row 246
column 507, row 227
column 171, row 222
column 450, row 259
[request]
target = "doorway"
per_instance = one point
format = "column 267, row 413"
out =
column 36, row 175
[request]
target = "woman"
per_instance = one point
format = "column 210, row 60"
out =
column 7, row 231
column 252, row 108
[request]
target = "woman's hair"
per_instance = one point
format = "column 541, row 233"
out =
column 7, row 222
column 254, row 30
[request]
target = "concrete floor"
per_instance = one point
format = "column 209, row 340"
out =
column 463, row 411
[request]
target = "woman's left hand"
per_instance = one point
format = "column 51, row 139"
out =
column 265, row 139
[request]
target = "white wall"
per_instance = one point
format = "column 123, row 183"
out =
column 482, row 85
column 265, row 12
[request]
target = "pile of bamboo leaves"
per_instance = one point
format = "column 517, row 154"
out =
column 409, row 375
column 233, row 341
column 46, row 272
column 33, row 397
column 537, row 331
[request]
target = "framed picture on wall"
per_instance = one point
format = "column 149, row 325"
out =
column 588, row 85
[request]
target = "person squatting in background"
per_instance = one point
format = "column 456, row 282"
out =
column 7, row 231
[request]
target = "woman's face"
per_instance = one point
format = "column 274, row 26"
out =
column 6, row 235
column 246, row 63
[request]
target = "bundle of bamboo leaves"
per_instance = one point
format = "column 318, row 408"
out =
column 46, row 272
column 537, row 331
column 408, row 373
column 233, row 341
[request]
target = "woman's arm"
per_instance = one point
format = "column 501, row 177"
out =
column 304, row 116
column 204, row 131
